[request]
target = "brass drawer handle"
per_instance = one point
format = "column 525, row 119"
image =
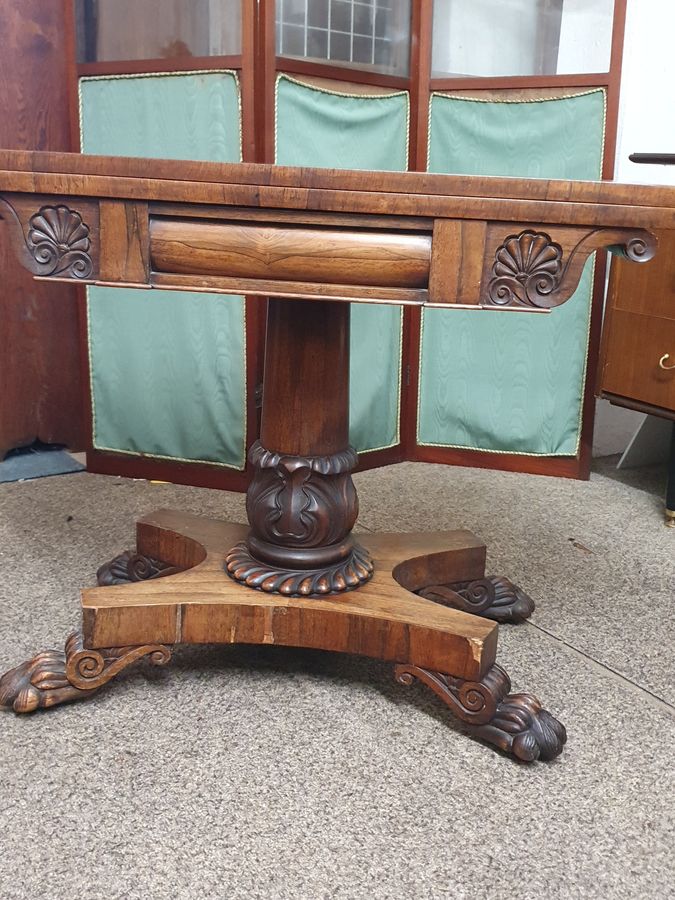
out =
column 662, row 362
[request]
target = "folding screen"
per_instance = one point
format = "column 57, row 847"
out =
column 316, row 126
column 510, row 383
column 168, row 370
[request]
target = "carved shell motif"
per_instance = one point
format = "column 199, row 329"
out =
column 527, row 269
column 59, row 242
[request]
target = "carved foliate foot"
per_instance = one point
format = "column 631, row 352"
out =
column 39, row 683
column 130, row 566
column 492, row 597
column 516, row 723
column 346, row 575
column 54, row 677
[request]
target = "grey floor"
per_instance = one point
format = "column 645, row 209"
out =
column 273, row 773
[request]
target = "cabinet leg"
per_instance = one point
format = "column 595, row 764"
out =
column 516, row 723
column 54, row 677
column 670, row 488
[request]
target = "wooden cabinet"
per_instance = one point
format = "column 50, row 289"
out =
column 638, row 351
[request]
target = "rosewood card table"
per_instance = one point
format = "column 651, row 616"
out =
column 314, row 241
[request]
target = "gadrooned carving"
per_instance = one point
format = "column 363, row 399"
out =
column 345, row 575
column 302, row 510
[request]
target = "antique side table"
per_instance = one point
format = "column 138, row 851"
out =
column 314, row 241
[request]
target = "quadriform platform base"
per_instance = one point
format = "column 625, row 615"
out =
column 312, row 241
column 174, row 589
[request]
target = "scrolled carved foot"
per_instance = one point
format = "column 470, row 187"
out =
column 493, row 597
column 54, row 677
column 39, row 683
column 131, row 566
column 516, row 723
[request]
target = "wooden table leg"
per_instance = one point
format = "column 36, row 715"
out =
column 302, row 502
column 298, row 577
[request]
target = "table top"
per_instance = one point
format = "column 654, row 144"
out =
column 384, row 193
column 359, row 236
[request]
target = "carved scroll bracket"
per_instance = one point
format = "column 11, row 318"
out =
column 131, row 566
column 516, row 723
column 54, row 677
column 56, row 241
column 533, row 270
column 493, row 597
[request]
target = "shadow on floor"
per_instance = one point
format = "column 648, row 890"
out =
column 651, row 479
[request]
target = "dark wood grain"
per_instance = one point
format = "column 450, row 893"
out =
column 391, row 193
column 124, row 242
column 459, row 250
column 648, row 292
column 301, row 290
column 516, row 82
column 382, row 619
column 169, row 64
column 344, row 74
column 39, row 362
column 349, row 195
column 638, row 352
column 301, row 503
column 160, row 470
column 420, row 72
column 612, row 87
column 640, row 361
column 291, row 254
column 307, row 346
column 265, row 76
column 249, row 12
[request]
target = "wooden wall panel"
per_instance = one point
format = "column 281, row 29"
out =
column 40, row 386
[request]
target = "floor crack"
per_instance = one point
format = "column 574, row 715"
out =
column 658, row 701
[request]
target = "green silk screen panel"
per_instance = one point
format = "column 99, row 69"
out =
column 318, row 127
column 168, row 369
column 498, row 381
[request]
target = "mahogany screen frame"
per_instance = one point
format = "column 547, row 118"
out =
column 258, row 66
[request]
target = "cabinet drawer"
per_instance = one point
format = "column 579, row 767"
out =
column 635, row 344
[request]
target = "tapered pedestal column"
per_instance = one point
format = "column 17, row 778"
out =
column 302, row 503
